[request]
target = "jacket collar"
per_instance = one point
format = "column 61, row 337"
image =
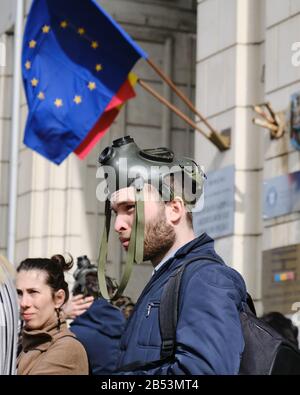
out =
column 191, row 248
column 193, row 245
column 40, row 339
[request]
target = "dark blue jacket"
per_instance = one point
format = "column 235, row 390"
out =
column 209, row 337
column 99, row 329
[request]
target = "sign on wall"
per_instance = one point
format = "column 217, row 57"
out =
column 281, row 279
column 217, row 217
column 295, row 120
column 281, row 195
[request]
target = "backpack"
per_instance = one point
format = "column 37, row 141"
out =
column 266, row 352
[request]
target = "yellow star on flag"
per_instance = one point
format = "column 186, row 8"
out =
column 91, row 86
column 58, row 103
column 34, row 82
column 94, row 44
column 77, row 99
column 46, row 29
column 41, row 96
column 98, row 67
column 63, row 24
column 32, row 44
column 28, row 65
column 81, row 31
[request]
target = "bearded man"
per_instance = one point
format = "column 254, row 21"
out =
column 208, row 337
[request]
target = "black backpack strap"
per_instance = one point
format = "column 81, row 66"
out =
column 250, row 304
column 168, row 313
column 169, row 305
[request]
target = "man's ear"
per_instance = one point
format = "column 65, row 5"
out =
column 175, row 210
column 59, row 298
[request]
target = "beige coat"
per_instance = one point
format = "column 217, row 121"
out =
column 52, row 352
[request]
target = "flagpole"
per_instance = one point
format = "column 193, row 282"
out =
column 220, row 141
column 13, row 187
column 180, row 94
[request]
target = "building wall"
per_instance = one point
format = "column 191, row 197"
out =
column 57, row 206
column 282, row 80
column 5, row 128
column 244, row 58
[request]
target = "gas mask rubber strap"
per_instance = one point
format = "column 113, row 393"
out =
column 134, row 239
column 103, row 252
column 139, row 243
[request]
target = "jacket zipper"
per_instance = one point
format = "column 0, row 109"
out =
column 150, row 306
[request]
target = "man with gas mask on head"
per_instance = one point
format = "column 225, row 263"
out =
column 152, row 194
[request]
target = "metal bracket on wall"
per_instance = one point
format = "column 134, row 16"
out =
column 275, row 122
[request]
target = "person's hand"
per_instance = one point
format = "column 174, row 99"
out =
column 77, row 305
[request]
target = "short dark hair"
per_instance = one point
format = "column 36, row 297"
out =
column 186, row 190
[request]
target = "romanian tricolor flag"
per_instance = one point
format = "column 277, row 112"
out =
column 76, row 65
column 125, row 93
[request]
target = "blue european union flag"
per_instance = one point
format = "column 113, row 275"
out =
column 75, row 58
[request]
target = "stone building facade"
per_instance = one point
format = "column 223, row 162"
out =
column 57, row 209
column 229, row 55
column 244, row 57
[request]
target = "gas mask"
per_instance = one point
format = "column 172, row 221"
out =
column 123, row 165
column 84, row 268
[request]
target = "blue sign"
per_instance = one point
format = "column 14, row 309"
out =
column 281, row 195
column 217, row 217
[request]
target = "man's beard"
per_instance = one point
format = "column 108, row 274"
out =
column 159, row 238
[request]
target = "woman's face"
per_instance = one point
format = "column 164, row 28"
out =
column 36, row 300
